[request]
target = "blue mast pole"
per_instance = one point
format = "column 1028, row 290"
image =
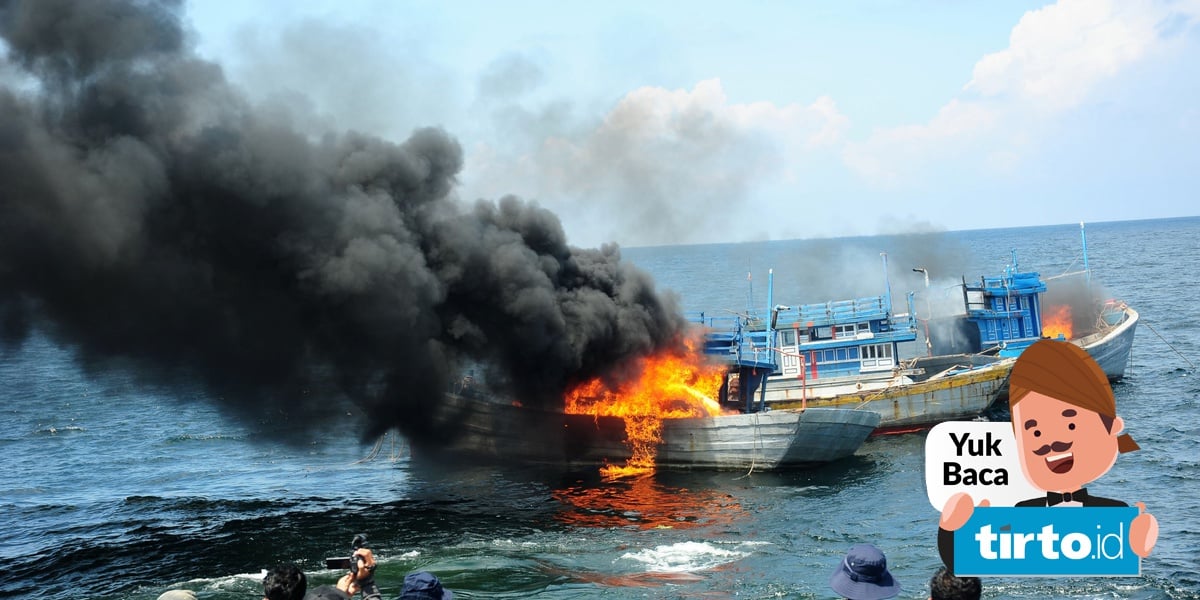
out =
column 1087, row 272
column 887, row 283
column 762, row 385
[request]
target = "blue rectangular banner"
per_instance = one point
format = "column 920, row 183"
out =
column 1066, row 541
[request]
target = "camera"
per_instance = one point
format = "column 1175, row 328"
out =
column 348, row 562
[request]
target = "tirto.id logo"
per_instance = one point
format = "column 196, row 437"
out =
column 1046, row 541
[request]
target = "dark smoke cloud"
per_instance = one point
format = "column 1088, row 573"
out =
column 150, row 213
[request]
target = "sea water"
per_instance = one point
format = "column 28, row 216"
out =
column 114, row 487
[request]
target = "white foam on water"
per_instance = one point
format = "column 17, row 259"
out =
column 684, row 557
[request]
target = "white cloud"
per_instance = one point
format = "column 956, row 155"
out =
column 1057, row 58
column 1056, row 55
column 885, row 155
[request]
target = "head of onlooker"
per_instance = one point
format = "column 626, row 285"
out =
column 424, row 585
column 944, row 586
column 863, row 575
column 285, row 582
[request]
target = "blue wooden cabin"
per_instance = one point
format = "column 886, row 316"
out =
column 1006, row 310
column 843, row 338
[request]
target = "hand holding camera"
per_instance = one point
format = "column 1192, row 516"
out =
column 362, row 572
column 360, row 563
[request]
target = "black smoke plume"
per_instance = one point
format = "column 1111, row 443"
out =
column 149, row 212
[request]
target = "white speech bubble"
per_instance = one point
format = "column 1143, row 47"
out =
column 988, row 449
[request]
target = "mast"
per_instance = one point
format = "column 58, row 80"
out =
column 887, row 285
column 1087, row 272
column 749, row 290
column 771, row 345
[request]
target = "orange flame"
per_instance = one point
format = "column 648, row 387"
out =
column 675, row 383
column 1057, row 320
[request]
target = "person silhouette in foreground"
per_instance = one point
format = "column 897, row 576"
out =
column 1068, row 434
column 285, row 582
column 945, row 586
column 423, row 585
column 357, row 580
column 863, row 575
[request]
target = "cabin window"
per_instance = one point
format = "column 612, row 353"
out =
column 841, row 331
column 834, row 359
column 787, row 337
column 864, row 327
column 877, row 355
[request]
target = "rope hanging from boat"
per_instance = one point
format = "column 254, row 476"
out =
column 373, row 453
column 1164, row 340
column 754, row 455
column 394, row 454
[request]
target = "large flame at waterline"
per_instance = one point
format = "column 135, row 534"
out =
column 675, row 383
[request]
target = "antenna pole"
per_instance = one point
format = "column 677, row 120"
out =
column 1087, row 272
column 887, row 283
column 762, row 390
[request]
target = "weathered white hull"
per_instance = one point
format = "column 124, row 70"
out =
column 1111, row 348
column 777, row 439
column 907, row 401
column 774, row 440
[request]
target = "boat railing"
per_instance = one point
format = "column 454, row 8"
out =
column 991, row 313
column 721, row 322
column 836, row 312
column 1111, row 314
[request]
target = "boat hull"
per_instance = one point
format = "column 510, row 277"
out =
column 777, row 439
column 1111, row 349
column 905, row 404
column 771, row 440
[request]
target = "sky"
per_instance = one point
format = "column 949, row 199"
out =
column 654, row 123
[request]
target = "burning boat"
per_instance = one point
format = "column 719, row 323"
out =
column 1110, row 343
column 663, row 414
column 847, row 354
column 765, row 441
column 1007, row 313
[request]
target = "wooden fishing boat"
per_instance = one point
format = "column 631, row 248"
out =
column 481, row 428
column 847, row 354
column 1006, row 313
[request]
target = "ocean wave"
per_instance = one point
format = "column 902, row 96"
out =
column 683, row 557
column 52, row 430
column 207, row 437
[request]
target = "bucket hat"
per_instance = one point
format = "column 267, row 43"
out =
column 863, row 575
column 424, row 585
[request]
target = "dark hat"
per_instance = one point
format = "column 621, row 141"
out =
column 424, row 585
column 326, row 592
column 863, row 575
